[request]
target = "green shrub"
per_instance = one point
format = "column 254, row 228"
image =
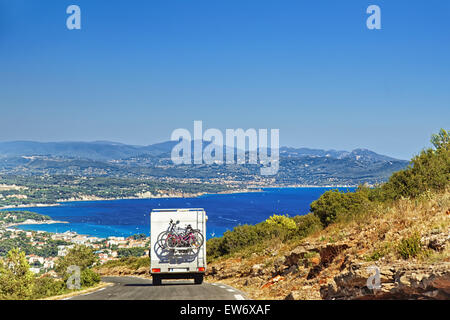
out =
column 80, row 256
column 89, row 278
column 47, row 286
column 307, row 224
column 379, row 252
column 214, row 248
column 133, row 263
column 334, row 203
column 279, row 227
column 281, row 221
column 409, row 247
column 428, row 171
column 239, row 237
column 376, row 255
column 130, row 252
column 16, row 279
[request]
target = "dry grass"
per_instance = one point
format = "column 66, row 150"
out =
column 374, row 235
column 79, row 292
column 383, row 228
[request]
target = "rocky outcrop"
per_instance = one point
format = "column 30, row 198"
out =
column 327, row 254
column 228, row 269
column 397, row 281
column 436, row 240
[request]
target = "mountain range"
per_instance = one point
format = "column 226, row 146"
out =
column 105, row 158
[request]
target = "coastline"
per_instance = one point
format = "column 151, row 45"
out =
column 95, row 198
column 171, row 195
column 34, row 222
column 33, row 205
column 311, row 186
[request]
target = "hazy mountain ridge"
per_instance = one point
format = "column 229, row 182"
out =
column 109, row 150
column 105, row 158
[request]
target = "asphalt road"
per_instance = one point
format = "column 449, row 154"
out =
column 133, row 288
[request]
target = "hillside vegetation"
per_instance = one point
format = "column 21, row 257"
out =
column 429, row 172
column 404, row 223
column 17, row 282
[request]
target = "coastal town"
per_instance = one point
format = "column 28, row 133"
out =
column 43, row 249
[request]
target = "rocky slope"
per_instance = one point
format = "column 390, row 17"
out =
column 338, row 262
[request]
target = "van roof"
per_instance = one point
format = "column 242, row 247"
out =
column 178, row 210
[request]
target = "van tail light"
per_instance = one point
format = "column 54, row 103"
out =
column 201, row 269
column 156, row 270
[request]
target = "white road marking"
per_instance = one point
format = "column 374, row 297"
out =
column 223, row 287
column 85, row 294
column 230, row 290
column 239, row 297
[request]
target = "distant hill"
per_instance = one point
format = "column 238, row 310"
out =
column 105, row 158
column 98, row 150
column 107, row 150
column 358, row 154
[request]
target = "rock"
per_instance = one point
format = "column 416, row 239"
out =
column 211, row 271
column 142, row 271
column 278, row 266
column 291, row 269
column 294, row 257
column 436, row 240
column 403, row 281
column 400, row 281
column 257, row 269
column 225, row 271
column 327, row 255
column 277, row 278
column 293, row 295
column 315, row 260
column 253, row 281
column 273, row 281
column 291, row 262
column 314, row 272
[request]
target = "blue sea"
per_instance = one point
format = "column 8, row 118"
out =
column 128, row 217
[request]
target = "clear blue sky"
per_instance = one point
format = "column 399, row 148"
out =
column 139, row 69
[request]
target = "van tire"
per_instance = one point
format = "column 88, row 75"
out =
column 156, row 280
column 198, row 279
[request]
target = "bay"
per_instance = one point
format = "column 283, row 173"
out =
column 132, row 216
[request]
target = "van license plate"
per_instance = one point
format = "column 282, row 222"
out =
column 178, row 269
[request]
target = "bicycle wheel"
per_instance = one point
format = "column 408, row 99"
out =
column 161, row 239
column 197, row 239
column 171, row 241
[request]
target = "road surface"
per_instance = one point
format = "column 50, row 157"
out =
column 133, row 288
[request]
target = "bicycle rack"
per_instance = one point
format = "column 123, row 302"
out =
column 183, row 248
column 182, row 251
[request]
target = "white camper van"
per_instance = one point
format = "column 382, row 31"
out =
column 178, row 244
